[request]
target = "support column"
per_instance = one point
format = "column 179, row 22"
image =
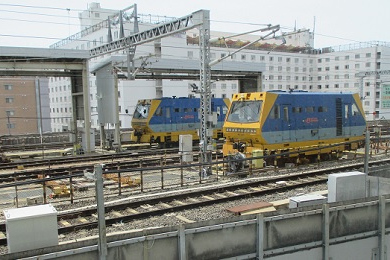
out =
column 182, row 243
column 382, row 227
column 325, row 232
column 87, row 108
column 260, row 237
column 117, row 134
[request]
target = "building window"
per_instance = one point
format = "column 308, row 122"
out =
column 347, row 57
column 190, row 54
column 280, row 68
column 346, row 76
column 368, row 64
column 319, row 69
column 327, row 77
column 288, row 59
column 271, row 77
column 253, row 57
column 280, row 77
column 288, row 77
column 357, row 56
column 262, row 58
column 346, row 85
column 296, row 69
column 368, row 55
column 234, row 86
column 327, row 59
column 9, row 100
column 7, row 86
column 336, row 85
column 271, row 68
column 280, row 59
column 223, row 86
column 357, row 66
column 10, row 112
column 271, row 58
column 336, row 67
column 327, row 68
column 243, row 57
column 337, row 58
column 346, row 66
column 296, row 60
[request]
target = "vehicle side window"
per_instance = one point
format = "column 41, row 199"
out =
column 158, row 111
column 167, row 113
column 322, row 109
column 355, row 110
column 275, row 112
column 285, row 113
column 309, row 109
column 346, row 110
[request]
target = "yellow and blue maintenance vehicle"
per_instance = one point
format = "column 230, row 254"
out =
column 162, row 120
column 292, row 126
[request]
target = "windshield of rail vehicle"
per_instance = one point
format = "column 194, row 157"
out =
column 141, row 111
column 245, row 111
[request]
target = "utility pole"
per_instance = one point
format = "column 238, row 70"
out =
column 205, row 132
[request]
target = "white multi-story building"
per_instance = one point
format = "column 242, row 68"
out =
column 295, row 65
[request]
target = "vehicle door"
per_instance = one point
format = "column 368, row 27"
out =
column 286, row 122
column 347, row 117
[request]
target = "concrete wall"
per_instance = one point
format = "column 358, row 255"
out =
column 345, row 230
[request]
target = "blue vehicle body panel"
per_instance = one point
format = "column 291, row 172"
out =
column 323, row 116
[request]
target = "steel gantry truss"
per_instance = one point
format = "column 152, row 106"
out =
column 200, row 19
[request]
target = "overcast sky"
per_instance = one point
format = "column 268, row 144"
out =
column 39, row 23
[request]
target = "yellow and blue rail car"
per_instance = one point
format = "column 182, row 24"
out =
column 294, row 125
column 162, row 120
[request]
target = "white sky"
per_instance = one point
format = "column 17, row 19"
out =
column 337, row 21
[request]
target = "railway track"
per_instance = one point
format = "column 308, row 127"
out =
column 148, row 205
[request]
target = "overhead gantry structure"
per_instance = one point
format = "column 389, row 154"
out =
column 199, row 19
column 43, row 62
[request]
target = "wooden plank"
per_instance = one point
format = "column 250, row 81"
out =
column 193, row 200
column 132, row 211
column 220, row 195
column 184, row 219
column 116, row 214
column 231, row 193
column 82, row 220
column 238, row 210
column 208, row 198
column 65, row 223
column 259, row 211
column 180, row 202
column 165, row 205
